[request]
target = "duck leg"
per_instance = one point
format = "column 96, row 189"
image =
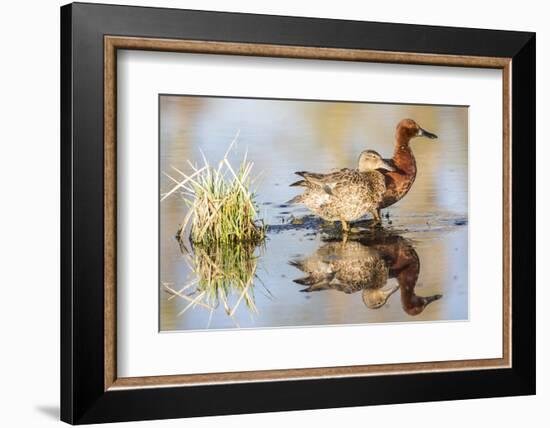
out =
column 345, row 237
column 345, row 226
column 376, row 216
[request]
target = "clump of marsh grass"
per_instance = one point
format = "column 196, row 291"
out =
column 221, row 202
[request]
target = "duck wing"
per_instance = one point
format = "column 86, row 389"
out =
column 327, row 182
column 372, row 181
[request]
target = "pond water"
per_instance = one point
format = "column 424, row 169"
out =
column 413, row 268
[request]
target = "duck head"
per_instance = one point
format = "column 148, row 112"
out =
column 370, row 160
column 408, row 129
column 376, row 298
column 415, row 305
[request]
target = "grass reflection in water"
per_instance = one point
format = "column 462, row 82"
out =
column 223, row 275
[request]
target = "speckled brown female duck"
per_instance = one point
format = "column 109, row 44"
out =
column 347, row 267
column 399, row 181
column 347, row 194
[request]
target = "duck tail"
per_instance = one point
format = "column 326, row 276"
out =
column 307, row 175
column 306, row 280
column 299, row 183
column 295, row 263
column 318, row 286
column 311, row 178
column 296, row 200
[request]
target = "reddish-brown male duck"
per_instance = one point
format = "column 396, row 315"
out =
column 399, row 182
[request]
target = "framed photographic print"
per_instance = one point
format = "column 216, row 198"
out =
column 265, row 213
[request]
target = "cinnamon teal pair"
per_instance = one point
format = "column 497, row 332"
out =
column 349, row 194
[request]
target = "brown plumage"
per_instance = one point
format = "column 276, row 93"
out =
column 367, row 265
column 348, row 194
column 347, row 267
column 404, row 265
column 400, row 180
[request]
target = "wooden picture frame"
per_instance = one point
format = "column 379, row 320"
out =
column 91, row 390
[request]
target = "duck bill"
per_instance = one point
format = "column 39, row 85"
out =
column 388, row 293
column 433, row 298
column 385, row 165
column 423, row 133
column 391, row 291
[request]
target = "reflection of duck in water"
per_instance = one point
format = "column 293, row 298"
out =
column 367, row 265
column 349, row 268
column 348, row 194
column 404, row 265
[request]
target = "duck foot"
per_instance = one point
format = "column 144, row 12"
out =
column 377, row 219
